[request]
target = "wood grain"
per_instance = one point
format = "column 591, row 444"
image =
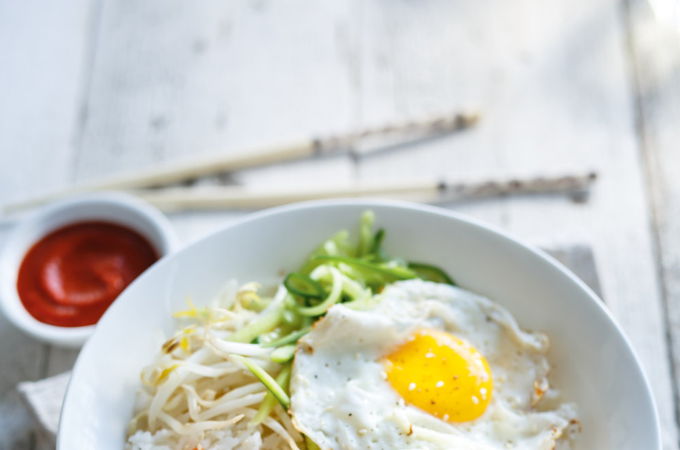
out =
column 174, row 79
column 655, row 50
column 44, row 49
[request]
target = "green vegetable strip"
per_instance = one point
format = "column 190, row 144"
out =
column 303, row 286
column 338, row 244
column 333, row 297
column 270, row 383
column 431, row 273
column 283, row 354
column 376, row 246
column 288, row 339
column 365, row 233
column 395, row 272
column 264, row 410
column 283, row 378
column 262, row 324
column 354, row 290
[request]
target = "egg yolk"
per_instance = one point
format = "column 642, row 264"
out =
column 442, row 375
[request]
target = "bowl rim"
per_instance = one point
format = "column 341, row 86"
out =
column 402, row 205
column 37, row 224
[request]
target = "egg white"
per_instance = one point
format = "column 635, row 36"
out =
column 340, row 397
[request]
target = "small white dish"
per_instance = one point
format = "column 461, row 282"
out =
column 593, row 363
column 118, row 208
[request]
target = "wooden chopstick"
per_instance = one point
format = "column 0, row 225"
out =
column 321, row 145
column 216, row 198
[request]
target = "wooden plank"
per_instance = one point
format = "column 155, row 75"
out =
column 43, row 53
column 551, row 78
column 20, row 359
column 173, row 80
column 655, row 49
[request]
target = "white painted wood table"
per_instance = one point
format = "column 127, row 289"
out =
column 95, row 87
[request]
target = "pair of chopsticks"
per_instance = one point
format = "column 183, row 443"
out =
column 426, row 191
column 348, row 143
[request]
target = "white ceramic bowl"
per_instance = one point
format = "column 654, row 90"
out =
column 111, row 207
column 593, row 363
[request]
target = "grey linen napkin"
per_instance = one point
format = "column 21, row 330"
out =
column 44, row 398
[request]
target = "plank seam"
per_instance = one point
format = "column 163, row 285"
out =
column 88, row 75
column 648, row 163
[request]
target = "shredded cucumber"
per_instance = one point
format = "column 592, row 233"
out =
column 288, row 339
column 265, row 323
column 282, row 379
column 270, row 383
column 366, row 233
column 283, row 354
column 336, row 272
column 430, row 273
column 303, row 286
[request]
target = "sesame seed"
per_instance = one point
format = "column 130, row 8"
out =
column 429, row 355
column 411, row 386
column 439, row 383
column 475, row 400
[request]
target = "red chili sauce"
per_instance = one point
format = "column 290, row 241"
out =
column 69, row 277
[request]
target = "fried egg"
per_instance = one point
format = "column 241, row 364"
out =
column 428, row 366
